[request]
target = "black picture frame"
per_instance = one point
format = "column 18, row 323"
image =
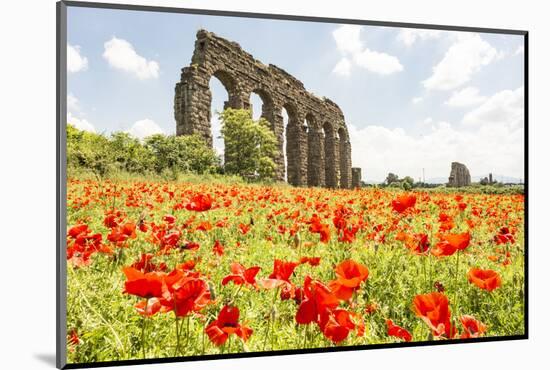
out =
column 61, row 176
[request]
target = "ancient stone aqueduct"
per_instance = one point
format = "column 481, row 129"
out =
column 318, row 147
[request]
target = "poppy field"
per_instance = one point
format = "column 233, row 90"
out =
column 161, row 269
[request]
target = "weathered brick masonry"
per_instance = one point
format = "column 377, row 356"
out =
column 318, row 147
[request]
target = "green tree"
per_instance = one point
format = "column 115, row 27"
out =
column 88, row 150
column 408, row 183
column 130, row 155
column 250, row 146
column 391, row 178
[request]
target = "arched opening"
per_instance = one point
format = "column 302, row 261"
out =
column 329, row 144
column 261, row 105
column 222, row 89
column 256, row 106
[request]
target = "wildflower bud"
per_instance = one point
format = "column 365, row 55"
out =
column 212, row 289
column 273, row 313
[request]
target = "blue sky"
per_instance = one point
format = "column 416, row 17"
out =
column 412, row 98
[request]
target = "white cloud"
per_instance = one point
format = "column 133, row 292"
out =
column 520, row 50
column 347, row 39
column 490, row 140
column 75, row 61
column 376, row 62
column 466, row 97
column 464, row 58
column 80, row 123
column 354, row 52
column 143, row 128
column 343, row 67
column 121, row 55
column 504, row 109
column 417, row 100
column 72, row 103
column 408, row 36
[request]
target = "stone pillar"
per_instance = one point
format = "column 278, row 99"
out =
column 316, row 157
column 303, row 152
column 192, row 103
column 275, row 118
column 293, row 151
column 356, row 177
column 345, row 160
column 331, row 159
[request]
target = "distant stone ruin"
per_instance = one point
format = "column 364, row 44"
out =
column 318, row 148
column 460, row 175
column 355, row 177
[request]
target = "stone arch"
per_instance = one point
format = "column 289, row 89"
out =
column 316, row 161
column 267, row 105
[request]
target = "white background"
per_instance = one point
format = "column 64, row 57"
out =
column 27, row 210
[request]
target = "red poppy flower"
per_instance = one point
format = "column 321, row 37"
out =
column 189, row 295
column 315, row 299
column 122, row 233
column 484, row 279
column 504, row 236
column 433, row 308
column 148, row 307
column 199, row 203
column 446, row 222
column 240, row 275
column 72, row 338
column 190, row 246
column 144, row 264
column 403, row 202
column 244, row 228
column 350, row 275
column 458, row 241
column 110, row 221
column 347, row 234
column 77, row 230
column 416, row 243
column 226, row 324
column 451, row 243
column 316, row 226
column 146, row 285
column 169, row 219
column 398, row 331
column 81, row 245
column 442, row 249
column 218, row 248
column 312, row 261
column 204, row 226
column 282, row 270
column 472, row 328
column 336, row 324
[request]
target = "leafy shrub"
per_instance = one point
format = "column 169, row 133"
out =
column 165, row 155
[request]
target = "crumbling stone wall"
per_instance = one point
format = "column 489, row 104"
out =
column 460, row 175
column 318, row 147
